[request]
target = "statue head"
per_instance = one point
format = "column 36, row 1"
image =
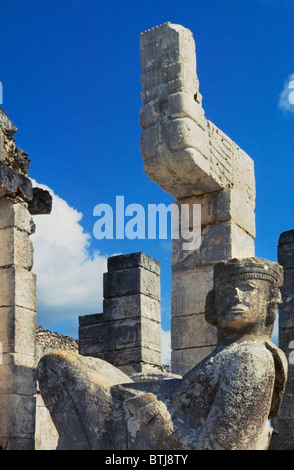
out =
column 245, row 296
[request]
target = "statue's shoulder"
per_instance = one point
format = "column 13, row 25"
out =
column 281, row 375
column 254, row 353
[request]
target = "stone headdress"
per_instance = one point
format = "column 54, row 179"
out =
column 248, row 268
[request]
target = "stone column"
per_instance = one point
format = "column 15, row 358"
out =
column 128, row 333
column 131, row 310
column 92, row 341
column 17, row 295
column 17, row 327
column 190, row 158
column 284, row 424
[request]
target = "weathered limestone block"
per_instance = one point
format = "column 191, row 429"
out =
column 128, row 333
column 133, row 260
column 190, row 158
column 18, row 287
column 60, row 401
column 15, row 248
column 189, row 291
column 46, row 435
column 131, row 281
column 192, row 329
column 16, row 374
column 17, row 295
column 140, row 359
column 183, row 359
column 17, row 424
column 17, row 330
column 123, row 334
column 119, row 308
column 14, row 214
column 284, row 424
column 182, row 151
column 92, row 335
column 224, row 403
column 132, row 331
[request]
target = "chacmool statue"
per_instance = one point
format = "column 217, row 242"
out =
column 225, row 402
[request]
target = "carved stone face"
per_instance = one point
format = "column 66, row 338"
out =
column 241, row 305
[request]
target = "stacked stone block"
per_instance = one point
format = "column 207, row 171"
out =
column 17, row 292
column 128, row 333
column 190, row 158
column 17, row 327
column 91, row 335
column 284, row 424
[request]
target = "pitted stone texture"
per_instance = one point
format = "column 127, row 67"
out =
column 17, row 421
column 224, row 403
column 185, row 359
column 131, row 281
column 15, row 248
column 15, row 215
column 168, row 60
column 85, row 429
column 182, row 151
column 17, row 287
column 131, row 306
column 192, row 329
column 133, row 260
column 128, row 332
column 190, row 158
column 17, row 376
column 284, row 424
column 17, row 330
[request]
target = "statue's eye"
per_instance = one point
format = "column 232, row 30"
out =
column 251, row 286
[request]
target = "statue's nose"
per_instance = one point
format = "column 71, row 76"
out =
column 237, row 294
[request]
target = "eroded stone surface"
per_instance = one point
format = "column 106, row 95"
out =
column 224, row 403
column 190, row 158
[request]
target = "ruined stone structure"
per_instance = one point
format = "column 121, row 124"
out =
column 224, row 403
column 284, row 425
column 114, row 394
column 46, row 435
column 18, row 200
column 128, row 333
column 190, row 158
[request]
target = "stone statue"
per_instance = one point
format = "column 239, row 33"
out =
column 225, row 402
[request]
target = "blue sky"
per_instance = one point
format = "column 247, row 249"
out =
column 70, row 73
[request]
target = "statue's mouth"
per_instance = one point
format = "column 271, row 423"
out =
column 238, row 309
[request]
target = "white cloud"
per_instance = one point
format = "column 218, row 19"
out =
column 166, row 347
column 286, row 101
column 69, row 280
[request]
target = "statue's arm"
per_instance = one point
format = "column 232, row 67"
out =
column 242, row 403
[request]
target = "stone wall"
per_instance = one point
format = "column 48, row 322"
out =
column 284, row 425
column 46, row 435
column 128, row 333
column 18, row 201
column 190, row 158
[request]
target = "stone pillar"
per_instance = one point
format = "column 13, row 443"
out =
column 92, row 340
column 128, row 333
column 284, row 424
column 17, row 328
column 190, row 158
column 17, row 296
